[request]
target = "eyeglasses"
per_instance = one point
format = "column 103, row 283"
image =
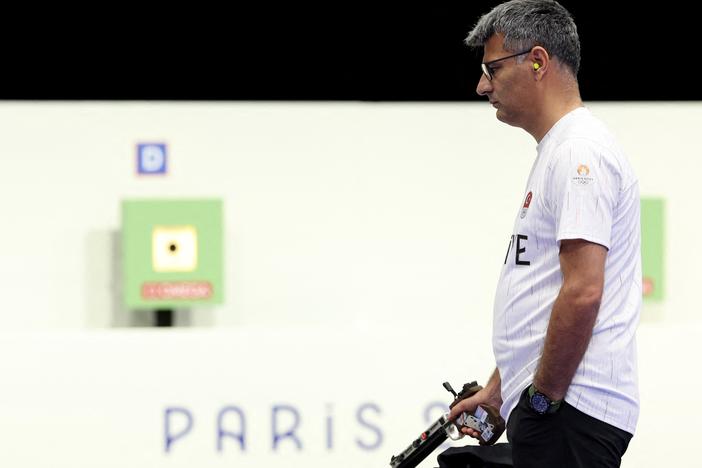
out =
column 489, row 71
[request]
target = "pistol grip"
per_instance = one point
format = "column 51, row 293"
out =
column 496, row 420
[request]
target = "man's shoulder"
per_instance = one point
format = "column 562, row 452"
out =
column 590, row 140
column 587, row 134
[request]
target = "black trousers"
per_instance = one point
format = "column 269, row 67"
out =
column 567, row 438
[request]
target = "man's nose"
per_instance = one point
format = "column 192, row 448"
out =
column 484, row 85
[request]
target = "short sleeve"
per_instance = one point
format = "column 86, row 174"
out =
column 582, row 192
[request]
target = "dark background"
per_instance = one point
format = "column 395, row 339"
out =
column 405, row 52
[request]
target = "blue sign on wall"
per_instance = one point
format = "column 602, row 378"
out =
column 152, row 158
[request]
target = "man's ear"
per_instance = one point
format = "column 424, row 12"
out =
column 541, row 61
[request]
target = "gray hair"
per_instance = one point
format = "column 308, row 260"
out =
column 528, row 23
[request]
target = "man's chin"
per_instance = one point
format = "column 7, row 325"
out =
column 505, row 118
column 501, row 116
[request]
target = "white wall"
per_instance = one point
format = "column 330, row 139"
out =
column 353, row 218
column 350, row 212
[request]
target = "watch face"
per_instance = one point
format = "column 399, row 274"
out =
column 539, row 403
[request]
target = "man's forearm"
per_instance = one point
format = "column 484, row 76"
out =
column 569, row 332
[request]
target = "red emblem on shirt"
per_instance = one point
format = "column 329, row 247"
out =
column 527, row 202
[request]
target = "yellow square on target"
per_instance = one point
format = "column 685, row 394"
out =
column 174, row 248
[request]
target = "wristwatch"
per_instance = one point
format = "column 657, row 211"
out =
column 541, row 403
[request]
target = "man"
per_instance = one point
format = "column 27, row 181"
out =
column 569, row 295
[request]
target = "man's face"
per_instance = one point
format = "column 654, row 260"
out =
column 509, row 90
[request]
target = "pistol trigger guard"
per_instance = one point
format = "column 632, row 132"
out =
column 452, row 431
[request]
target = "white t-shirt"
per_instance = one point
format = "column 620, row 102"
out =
column 581, row 186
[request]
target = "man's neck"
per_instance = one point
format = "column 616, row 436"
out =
column 552, row 113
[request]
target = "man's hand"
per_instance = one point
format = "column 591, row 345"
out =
column 490, row 395
column 469, row 405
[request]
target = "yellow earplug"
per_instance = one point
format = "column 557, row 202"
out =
column 536, row 66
